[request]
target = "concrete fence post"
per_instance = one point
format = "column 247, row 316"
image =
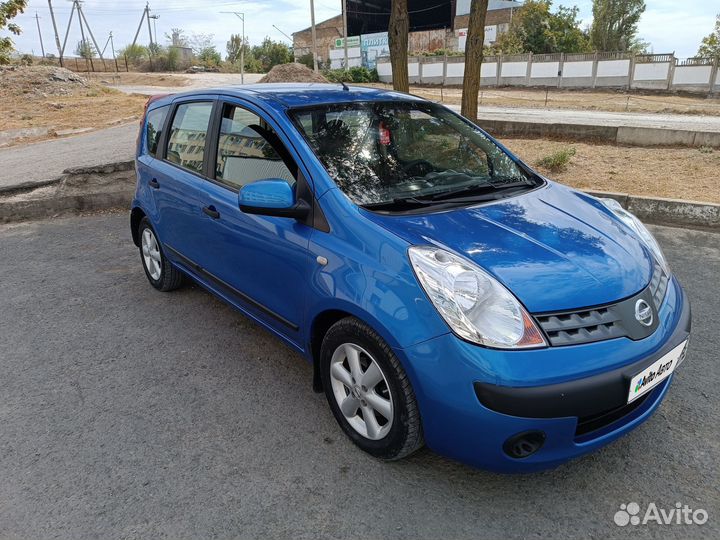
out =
column 714, row 74
column 671, row 71
column 444, row 77
column 498, row 73
column 561, row 68
column 420, row 68
column 528, row 69
column 631, row 71
column 595, row 70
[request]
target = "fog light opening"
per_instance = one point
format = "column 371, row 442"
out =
column 524, row 444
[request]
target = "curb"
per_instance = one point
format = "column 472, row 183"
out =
column 667, row 211
column 29, row 209
column 622, row 135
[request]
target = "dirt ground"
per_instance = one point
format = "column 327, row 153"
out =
column 38, row 103
column 676, row 173
column 144, row 79
column 608, row 100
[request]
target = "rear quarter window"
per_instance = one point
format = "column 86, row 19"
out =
column 153, row 129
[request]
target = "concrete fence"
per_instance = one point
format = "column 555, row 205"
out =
column 599, row 70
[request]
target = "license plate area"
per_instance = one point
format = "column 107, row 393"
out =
column 656, row 372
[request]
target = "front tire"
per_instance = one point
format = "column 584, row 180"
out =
column 160, row 273
column 369, row 392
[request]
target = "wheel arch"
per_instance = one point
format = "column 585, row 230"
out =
column 136, row 216
column 321, row 323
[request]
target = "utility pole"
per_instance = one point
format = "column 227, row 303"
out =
column 146, row 13
column 345, row 32
column 82, row 16
column 42, row 47
column 314, row 36
column 57, row 37
column 154, row 18
column 241, row 16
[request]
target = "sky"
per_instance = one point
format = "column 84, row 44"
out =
column 668, row 25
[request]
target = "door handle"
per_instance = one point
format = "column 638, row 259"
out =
column 154, row 183
column 210, row 211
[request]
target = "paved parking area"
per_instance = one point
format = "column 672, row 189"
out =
column 128, row 413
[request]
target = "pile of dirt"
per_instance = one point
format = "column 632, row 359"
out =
column 40, row 81
column 292, row 73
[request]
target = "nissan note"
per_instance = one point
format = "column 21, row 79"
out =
column 445, row 292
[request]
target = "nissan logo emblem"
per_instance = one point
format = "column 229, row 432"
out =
column 643, row 313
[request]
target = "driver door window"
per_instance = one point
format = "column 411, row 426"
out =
column 250, row 150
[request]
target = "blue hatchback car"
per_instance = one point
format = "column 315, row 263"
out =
column 445, row 293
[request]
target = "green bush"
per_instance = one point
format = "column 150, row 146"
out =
column 353, row 75
column 557, row 161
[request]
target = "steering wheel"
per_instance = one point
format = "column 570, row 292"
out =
column 418, row 167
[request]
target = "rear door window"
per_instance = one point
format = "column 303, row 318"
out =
column 153, row 128
column 188, row 135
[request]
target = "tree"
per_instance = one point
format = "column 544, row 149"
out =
column 536, row 29
column 234, row 48
column 270, row 53
column 210, row 56
column 473, row 58
column 8, row 10
column 398, row 29
column 134, row 53
column 615, row 23
column 199, row 42
column 85, row 50
column 710, row 44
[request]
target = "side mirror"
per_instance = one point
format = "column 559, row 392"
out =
column 272, row 197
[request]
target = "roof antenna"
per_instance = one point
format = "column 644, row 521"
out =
column 345, row 86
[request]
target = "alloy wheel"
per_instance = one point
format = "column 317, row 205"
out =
column 361, row 391
column 151, row 254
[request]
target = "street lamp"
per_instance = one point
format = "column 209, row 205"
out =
column 240, row 16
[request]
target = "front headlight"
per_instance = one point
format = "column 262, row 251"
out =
column 637, row 226
column 473, row 303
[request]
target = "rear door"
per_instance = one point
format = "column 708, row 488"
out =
column 178, row 181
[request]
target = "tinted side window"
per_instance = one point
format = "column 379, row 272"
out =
column 188, row 135
column 250, row 150
column 153, row 128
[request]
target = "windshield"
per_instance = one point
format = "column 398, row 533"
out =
column 401, row 152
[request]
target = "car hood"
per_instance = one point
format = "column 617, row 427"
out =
column 555, row 248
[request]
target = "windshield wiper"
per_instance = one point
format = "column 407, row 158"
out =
column 399, row 201
column 478, row 189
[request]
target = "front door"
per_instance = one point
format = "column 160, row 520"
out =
column 262, row 262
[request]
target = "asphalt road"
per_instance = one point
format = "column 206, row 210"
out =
column 46, row 160
column 129, row 413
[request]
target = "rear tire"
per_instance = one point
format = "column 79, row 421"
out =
column 160, row 272
column 368, row 391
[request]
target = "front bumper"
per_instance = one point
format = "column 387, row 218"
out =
column 473, row 399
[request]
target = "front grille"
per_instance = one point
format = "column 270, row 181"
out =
column 589, row 325
column 659, row 285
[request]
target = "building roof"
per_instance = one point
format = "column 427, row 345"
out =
column 463, row 6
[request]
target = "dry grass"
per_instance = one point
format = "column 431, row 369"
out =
column 596, row 100
column 139, row 79
column 38, row 103
column 676, row 173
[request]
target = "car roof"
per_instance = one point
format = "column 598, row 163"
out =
column 292, row 95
